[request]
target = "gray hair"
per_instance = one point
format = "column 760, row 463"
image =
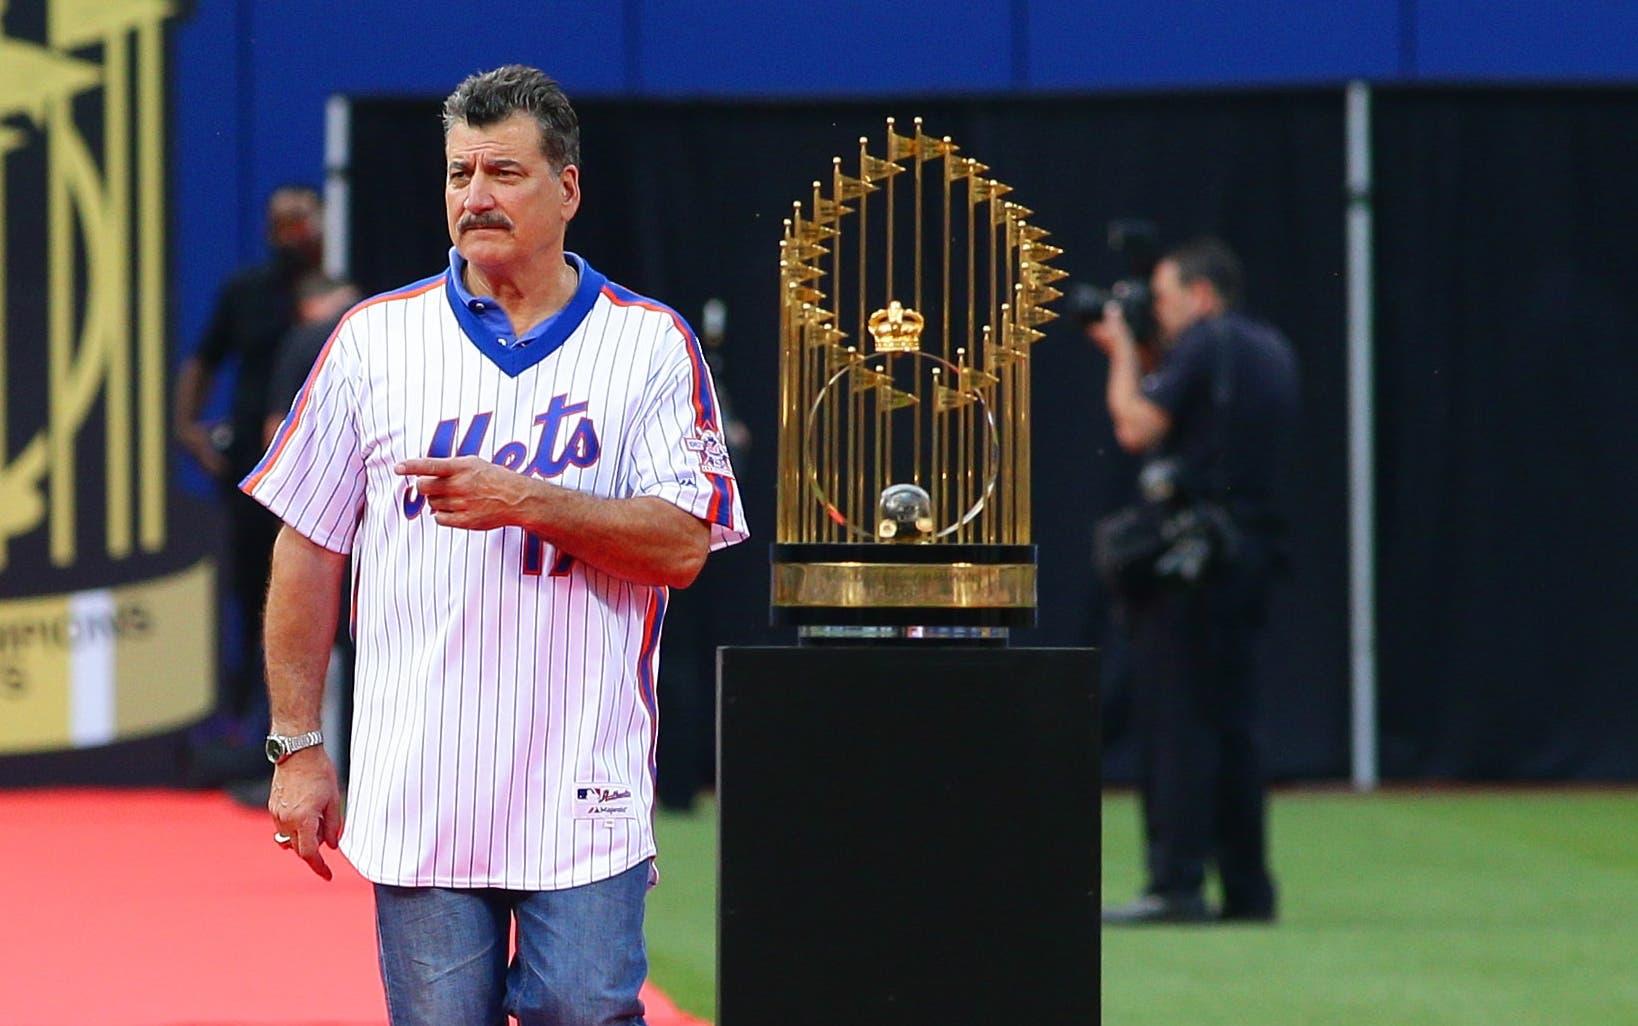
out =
column 491, row 97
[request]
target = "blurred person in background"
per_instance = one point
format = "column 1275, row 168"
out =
column 254, row 310
column 320, row 302
column 1210, row 420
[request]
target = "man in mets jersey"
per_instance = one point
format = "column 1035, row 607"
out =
column 520, row 458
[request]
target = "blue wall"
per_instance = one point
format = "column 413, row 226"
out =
column 251, row 78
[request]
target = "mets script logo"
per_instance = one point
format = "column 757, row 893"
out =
column 602, row 794
column 711, row 451
column 567, row 438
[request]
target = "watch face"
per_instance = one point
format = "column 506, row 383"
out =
column 274, row 749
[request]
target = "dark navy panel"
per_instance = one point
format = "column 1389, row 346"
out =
column 849, row 47
column 1591, row 40
column 1074, row 45
column 203, row 164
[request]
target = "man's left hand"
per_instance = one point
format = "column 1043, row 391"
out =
column 468, row 492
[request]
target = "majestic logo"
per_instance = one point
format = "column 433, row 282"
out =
column 603, row 802
column 710, row 451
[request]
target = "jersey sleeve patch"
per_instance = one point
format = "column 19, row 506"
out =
column 709, row 451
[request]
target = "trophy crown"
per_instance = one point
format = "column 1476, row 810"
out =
column 897, row 329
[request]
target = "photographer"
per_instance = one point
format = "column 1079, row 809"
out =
column 1191, row 568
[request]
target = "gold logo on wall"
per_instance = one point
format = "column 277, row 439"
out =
column 104, row 259
column 107, row 622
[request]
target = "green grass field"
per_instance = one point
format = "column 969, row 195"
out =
column 1441, row 909
column 682, row 912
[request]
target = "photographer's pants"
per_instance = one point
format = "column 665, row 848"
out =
column 1195, row 706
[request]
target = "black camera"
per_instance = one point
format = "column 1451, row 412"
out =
column 1138, row 242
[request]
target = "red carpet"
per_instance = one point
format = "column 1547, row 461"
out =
column 147, row 908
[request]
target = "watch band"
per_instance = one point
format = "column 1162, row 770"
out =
column 281, row 747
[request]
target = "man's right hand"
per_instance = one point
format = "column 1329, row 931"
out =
column 195, row 438
column 306, row 805
column 1111, row 332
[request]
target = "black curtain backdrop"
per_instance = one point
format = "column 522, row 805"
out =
column 1507, row 358
column 683, row 202
column 1504, row 269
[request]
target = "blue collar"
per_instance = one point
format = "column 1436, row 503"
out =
column 487, row 325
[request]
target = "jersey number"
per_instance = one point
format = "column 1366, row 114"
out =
column 534, row 558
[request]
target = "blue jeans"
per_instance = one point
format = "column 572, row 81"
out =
column 580, row 958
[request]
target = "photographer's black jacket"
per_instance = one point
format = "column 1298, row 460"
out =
column 1230, row 387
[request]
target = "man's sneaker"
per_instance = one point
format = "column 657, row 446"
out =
column 1158, row 908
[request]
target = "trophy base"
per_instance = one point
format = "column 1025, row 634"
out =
column 866, row 584
column 909, row 836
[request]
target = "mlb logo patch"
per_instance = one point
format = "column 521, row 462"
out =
column 604, row 801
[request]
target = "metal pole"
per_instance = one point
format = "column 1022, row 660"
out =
column 1361, row 449
column 338, row 132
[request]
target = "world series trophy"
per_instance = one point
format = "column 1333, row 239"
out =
column 912, row 290
column 907, row 314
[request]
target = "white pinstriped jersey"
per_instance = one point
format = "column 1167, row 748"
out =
column 505, row 708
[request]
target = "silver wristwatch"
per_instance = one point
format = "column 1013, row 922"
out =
column 280, row 747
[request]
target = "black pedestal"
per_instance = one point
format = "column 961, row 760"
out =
column 909, row 836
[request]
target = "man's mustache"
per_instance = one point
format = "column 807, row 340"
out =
column 471, row 221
